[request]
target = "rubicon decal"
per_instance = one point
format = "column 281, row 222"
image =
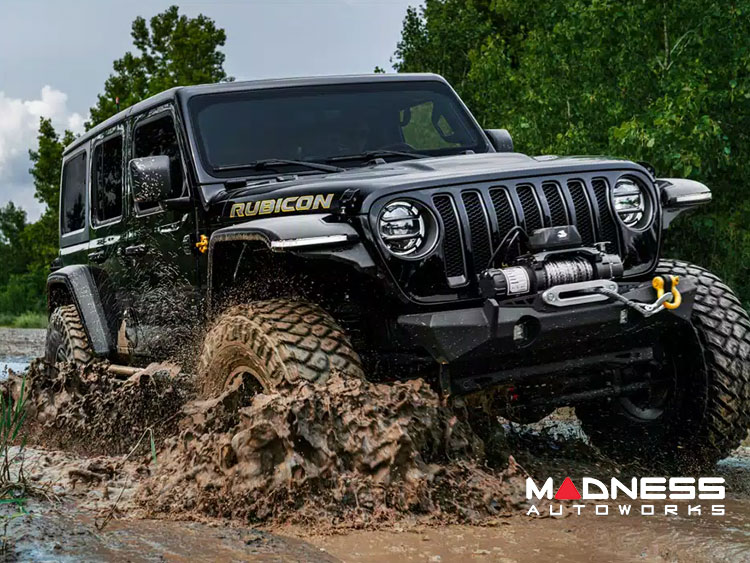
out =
column 289, row 204
column 623, row 492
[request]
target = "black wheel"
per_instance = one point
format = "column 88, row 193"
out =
column 272, row 344
column 66, row 338
column 701, row 411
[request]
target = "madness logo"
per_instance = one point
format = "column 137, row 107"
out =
column 643, row 489
column 281, row 205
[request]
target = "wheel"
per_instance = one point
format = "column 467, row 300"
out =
column 66, row 338
column 272, row 344
column 702, row 412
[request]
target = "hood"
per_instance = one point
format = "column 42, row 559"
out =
column 318, row 192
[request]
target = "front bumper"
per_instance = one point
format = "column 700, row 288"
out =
column 534, row 333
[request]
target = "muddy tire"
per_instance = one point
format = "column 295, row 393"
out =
column 274, row 344
column 706, row 412
column 66, row 338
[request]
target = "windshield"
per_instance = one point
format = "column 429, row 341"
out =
column 324, row 123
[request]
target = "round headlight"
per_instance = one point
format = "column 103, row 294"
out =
column 407, row 229
column 632, row 204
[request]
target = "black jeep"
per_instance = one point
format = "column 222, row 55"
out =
column 368, row 225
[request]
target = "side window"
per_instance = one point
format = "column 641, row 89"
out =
column 420, row 132
column 158, row 137
column 106, row 180
column 74, row 194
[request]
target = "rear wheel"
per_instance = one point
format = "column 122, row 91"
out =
column 66, row 338
column 701, row 410
column 273, row 344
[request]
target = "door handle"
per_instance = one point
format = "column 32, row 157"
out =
column 97, row 257
column 136, row 250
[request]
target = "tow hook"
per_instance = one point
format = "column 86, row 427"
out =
column 658, row 283
column 664, row 300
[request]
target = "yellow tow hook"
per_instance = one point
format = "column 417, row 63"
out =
column 202, row 244
column 659, row 282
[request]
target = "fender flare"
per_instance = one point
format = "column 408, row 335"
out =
column 80, row 284
column 310, row 236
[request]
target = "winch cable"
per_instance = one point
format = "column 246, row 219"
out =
column 514, row 230
column 645, row 309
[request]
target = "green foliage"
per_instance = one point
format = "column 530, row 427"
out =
column 173, row 50
column 664, row 82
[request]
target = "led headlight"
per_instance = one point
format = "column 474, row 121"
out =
column 408, row 229
column 632, row 204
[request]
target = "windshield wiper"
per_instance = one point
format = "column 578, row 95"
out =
column 370, row 155
column 275, row 162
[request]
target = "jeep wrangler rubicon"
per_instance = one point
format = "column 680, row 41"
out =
column 368, row 225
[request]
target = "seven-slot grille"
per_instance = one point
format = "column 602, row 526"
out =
column 475, row 221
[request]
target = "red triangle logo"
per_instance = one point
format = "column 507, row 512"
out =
column 567, row 491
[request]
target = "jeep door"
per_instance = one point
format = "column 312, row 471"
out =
column 163, row 281
column 107, row 215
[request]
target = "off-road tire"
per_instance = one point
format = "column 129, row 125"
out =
column 279, row 342
column 709, row 415
column 66, row 338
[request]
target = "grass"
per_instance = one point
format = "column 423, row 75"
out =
column 14, row 488
column 29, row 319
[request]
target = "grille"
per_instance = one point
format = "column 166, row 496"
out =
column 532, row 214
column 607, row 228
column 453, row 250
column 557, row 211
column 583, row 216
column 479, row 228
column 483, row 217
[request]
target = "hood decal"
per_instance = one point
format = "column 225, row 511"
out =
column 290, row 204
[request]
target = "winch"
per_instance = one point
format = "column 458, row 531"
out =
column 560, row 260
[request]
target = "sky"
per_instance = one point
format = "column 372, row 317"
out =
column 55, row 56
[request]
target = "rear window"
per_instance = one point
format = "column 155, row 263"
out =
column 107, row 180
column 73, row 195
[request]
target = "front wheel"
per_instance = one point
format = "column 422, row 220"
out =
column 269, row 345
column 701, row 411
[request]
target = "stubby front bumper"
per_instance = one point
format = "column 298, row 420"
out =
column 528, row 336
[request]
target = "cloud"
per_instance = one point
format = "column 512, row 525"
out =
column 19, row 122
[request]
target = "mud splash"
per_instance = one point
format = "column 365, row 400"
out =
column 91, row 411
column 344, row 453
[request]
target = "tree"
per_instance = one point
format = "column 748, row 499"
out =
column 665, row 82
column 173, row 50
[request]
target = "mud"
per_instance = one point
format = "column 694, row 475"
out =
column 76, row 496
column 91, row 411
column 342, row 454
column 365, row 472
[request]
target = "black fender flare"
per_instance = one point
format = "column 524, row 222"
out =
column 310, row 236
column 80, row 284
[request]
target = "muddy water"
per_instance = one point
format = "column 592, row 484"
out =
column 18, row 347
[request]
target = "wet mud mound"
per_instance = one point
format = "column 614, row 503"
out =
column 91, row 411
column 344, row 453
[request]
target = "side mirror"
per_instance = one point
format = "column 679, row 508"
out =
column 151, row 179
column 500, row 139
column 680, row 194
